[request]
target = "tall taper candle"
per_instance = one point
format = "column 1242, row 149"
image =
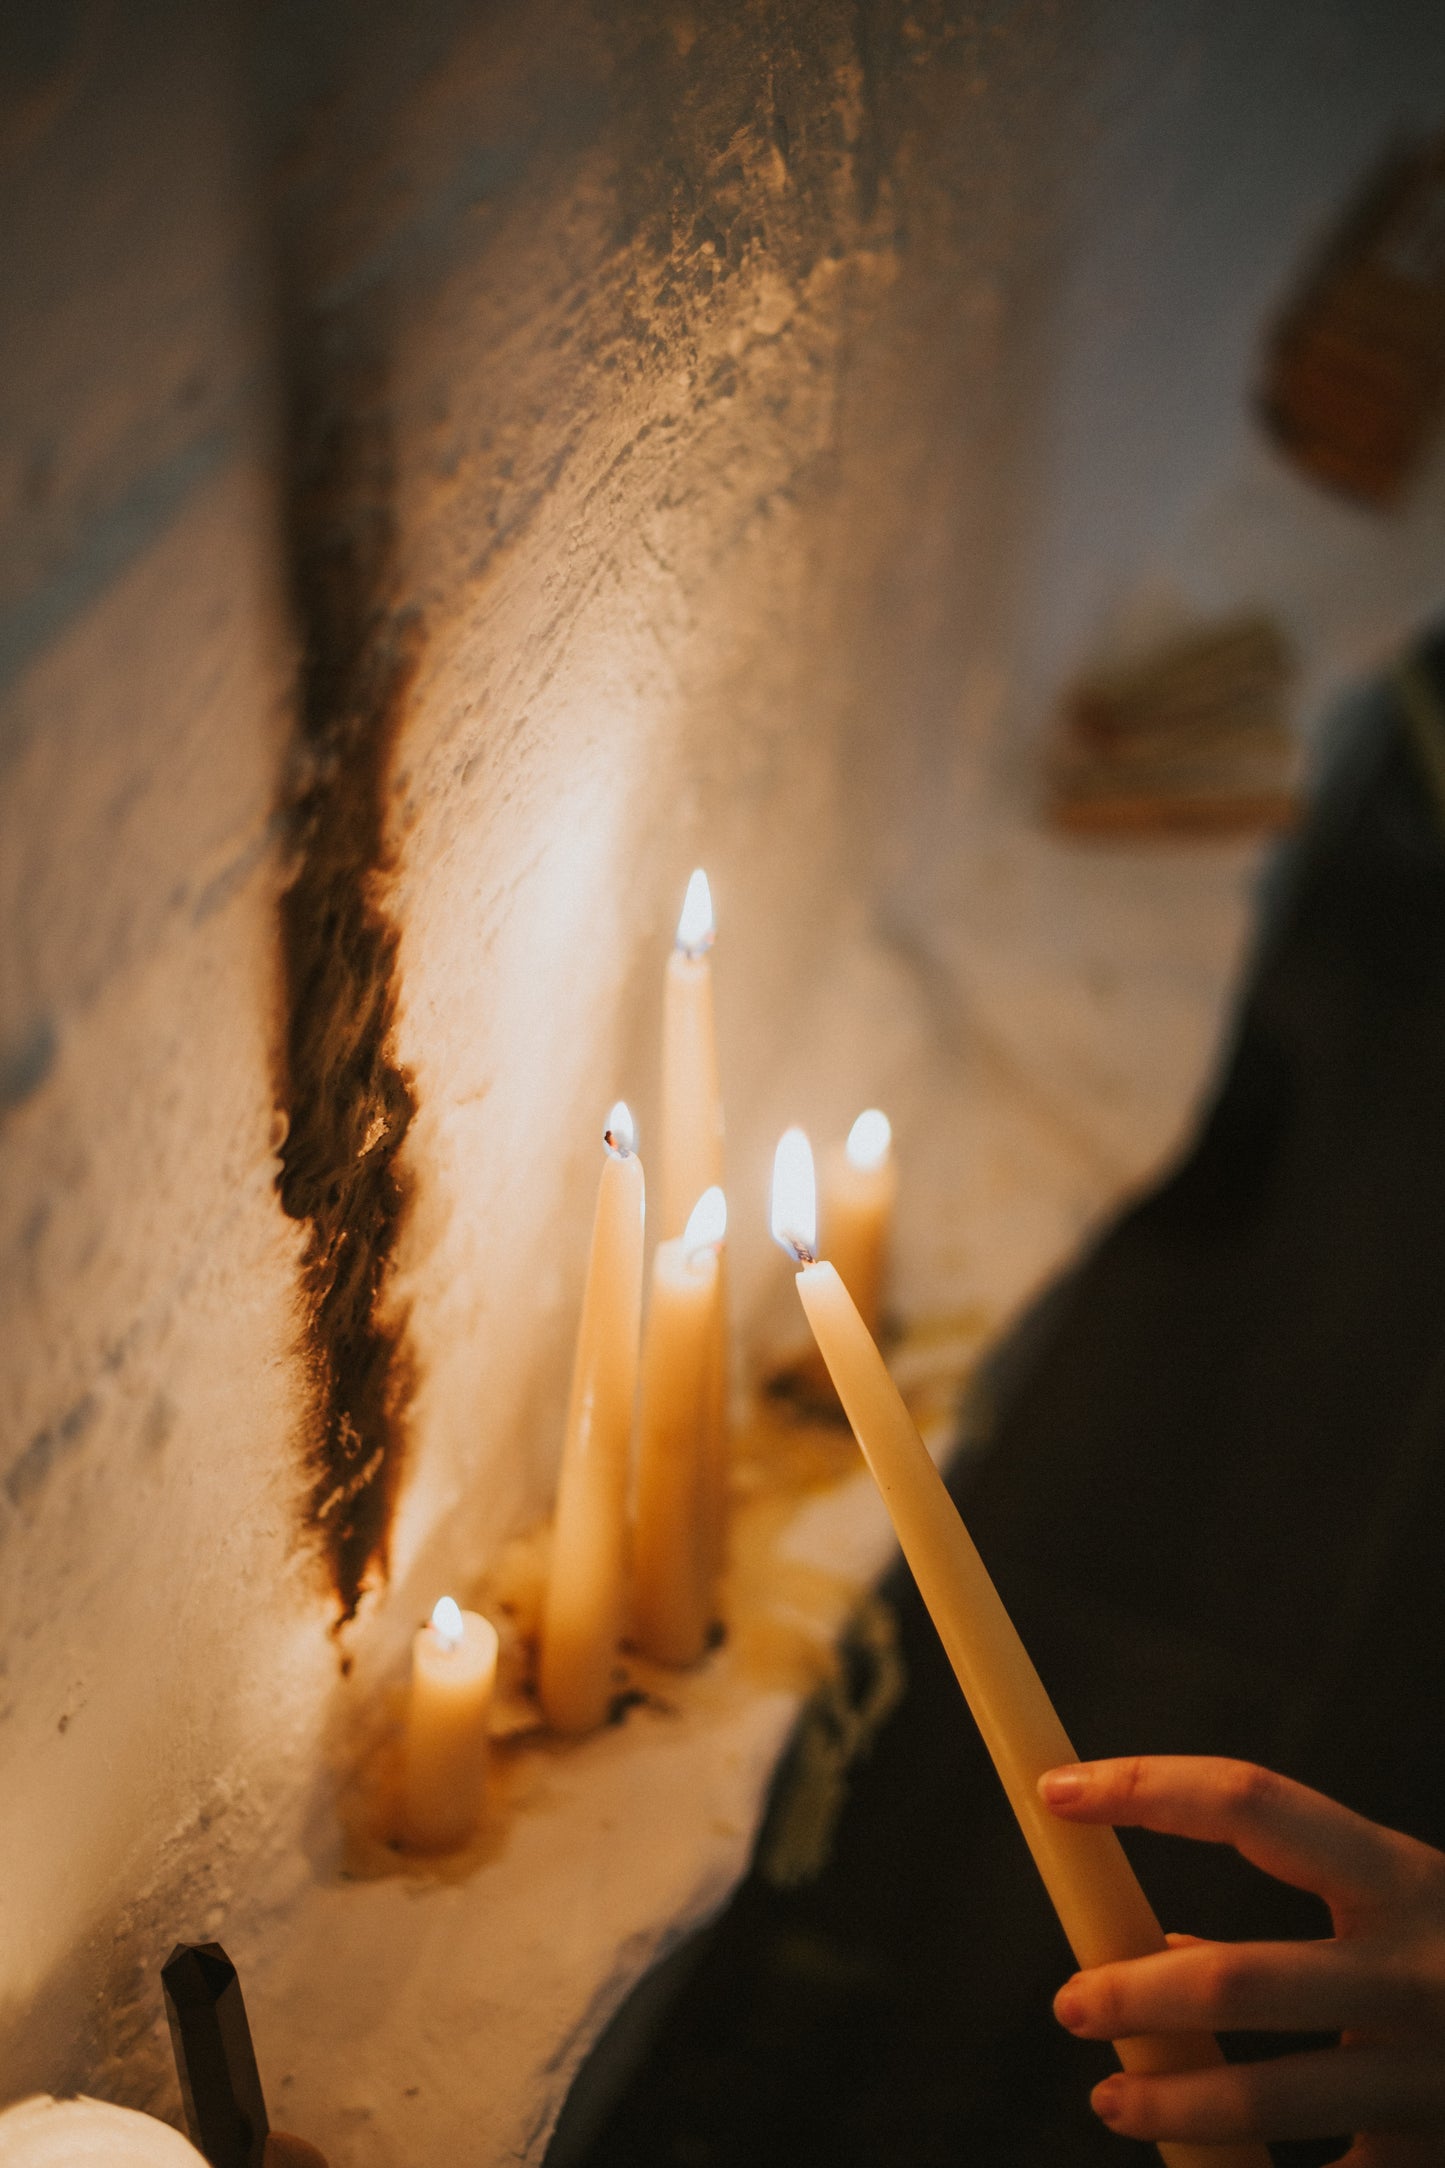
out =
column 692, row 1116
column 582, row 1613
column 1101, row 1907
column 444, row 1765
column 692, row 1150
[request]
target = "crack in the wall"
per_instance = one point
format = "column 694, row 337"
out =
column 348, row 1103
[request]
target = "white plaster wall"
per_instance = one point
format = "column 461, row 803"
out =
column 159, row 1652
column 779, row 402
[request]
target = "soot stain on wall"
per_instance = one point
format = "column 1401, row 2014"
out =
column 348, row 1103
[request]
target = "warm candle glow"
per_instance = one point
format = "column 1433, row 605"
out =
column 707, row 1222
column 795, row 1196
column 869, row 1139
column 695, row 928
column 620, row 1135
column 444, row 1751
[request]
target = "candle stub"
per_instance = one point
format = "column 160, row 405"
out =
column 444, row 1768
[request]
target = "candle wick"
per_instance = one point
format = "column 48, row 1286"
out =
column 801, row 1251
column 616, row 1144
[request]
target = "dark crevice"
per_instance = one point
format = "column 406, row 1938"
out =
column 348, row 1103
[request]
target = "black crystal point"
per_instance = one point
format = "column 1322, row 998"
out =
column 216, row 2063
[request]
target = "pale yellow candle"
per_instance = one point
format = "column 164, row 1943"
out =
column 45, row 2133
column 444, row 1767
column 582, row 1613
column 859, row 1188
column 692, row 1117
column 674, row 1542
column 692, row 1145
column 1102, row 1908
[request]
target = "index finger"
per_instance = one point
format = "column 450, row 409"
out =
column 1294, row 1834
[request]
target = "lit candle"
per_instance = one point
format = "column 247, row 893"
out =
column 692, row 1118
column 582, row 1613
column 444, row 1770
column 1101, row 1907
column 859, row 1188
column 674, row 1543
column 45, row 2133
column 692, row 1146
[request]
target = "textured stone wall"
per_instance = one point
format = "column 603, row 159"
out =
column 462, row 466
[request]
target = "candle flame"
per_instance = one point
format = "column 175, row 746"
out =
column 696, row 927
column 869, row 1139
column 446, row 1622
column 795, row 1197
column 620, row 1135
column 707, row 1224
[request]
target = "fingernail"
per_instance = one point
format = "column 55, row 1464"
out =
column 1106, row 2102
column 1060, row 1787
column 1069, row 2005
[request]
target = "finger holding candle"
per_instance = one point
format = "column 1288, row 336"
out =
column 1102, row 1908
column 444, row 1767
column 674, row 1540
column 582, row 1612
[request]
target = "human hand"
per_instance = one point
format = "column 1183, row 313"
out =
column 1379, row 1981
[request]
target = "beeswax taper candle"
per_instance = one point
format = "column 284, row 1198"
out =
column 1101, row 1907
column 674, row 1543
column 692, row 1147
column 859, row 1188
column 582, row 1612
column 692, row 1116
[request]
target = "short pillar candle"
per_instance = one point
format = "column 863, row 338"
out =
column 444, row 1769
column 675, row 1544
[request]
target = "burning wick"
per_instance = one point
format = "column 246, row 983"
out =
column 446, row 1622
column 620, row 1135
column 707, row 1224
column 695, row 927
column 795, row 1197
